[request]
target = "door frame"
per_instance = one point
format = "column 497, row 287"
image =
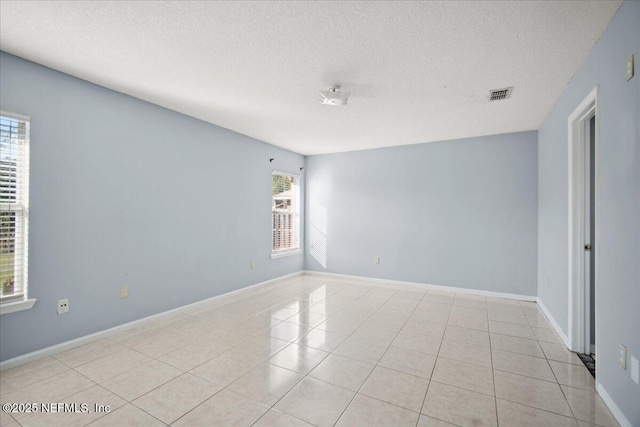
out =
column 579, row 290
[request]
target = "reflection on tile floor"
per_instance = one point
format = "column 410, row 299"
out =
column 320, row 351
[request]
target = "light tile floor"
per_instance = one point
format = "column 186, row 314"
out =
column 321, row 351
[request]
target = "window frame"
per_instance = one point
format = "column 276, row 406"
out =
column 19, row 302
column 296, row 216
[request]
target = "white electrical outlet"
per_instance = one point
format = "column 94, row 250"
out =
column 63, row 306
column 635, row 370
column 630, row 67
column 124, row 292
column 623, row 356
column 253, row 264
column 376, row 260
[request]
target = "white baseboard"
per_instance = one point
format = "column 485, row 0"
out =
column 617, row 413
column 425, row 285
column 553, row 322
column 68, row 345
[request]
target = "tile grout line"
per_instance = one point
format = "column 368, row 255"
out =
column 556, row 382
column 374, row 367
column 307, row 374
column 187, row 372
column 493, row 373
column 383, row 354
column 424, row 400
column 562, row 391
column 261, row 361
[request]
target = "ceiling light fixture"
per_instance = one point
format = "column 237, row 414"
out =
column 334, row 96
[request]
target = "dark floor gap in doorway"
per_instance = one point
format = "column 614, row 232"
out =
column 589, row 362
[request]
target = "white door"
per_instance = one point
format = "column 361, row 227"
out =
column 589, row 235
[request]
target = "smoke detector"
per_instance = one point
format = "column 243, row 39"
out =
column 334, row 96
column 500, row 94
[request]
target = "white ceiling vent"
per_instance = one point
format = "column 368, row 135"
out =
column 500, row 94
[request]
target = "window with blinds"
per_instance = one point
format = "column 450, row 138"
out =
column 285, row 213
column 14, row 206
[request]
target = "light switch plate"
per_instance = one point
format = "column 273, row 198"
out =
column 630, row 67
column 623, row 356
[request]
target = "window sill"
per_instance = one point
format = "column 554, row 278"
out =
column 284, row 254
column 12, row 307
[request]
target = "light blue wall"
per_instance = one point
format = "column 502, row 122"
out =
column 127, row 193
column 618, row 215
column 456, row 213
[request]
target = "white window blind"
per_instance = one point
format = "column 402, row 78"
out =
column 285, row 212
column 14, row 206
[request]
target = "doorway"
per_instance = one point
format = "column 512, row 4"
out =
column 583, row 232
column 590, row 231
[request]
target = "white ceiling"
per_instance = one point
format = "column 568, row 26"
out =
column 417, row 71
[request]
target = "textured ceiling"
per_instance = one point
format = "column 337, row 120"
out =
column 417, row 71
